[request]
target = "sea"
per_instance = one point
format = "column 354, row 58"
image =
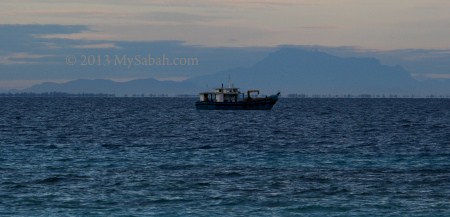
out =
column 75, row 156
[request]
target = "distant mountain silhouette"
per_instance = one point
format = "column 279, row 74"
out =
column 289, row 70
column 139, row 86
column 296, row 70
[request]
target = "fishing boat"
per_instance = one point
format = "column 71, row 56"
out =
column 232, row 99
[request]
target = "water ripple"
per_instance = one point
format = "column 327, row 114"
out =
column 161, row 157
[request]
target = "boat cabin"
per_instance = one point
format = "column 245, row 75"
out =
column 222, row 95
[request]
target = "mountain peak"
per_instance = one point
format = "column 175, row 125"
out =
column 301, row 70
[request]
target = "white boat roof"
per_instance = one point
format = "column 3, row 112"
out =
column 226, row 88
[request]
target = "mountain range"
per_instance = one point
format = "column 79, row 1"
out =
column 289, row 70
column 138, row 86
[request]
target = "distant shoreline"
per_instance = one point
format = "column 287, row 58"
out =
column 290, row 96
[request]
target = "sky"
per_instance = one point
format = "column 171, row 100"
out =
column 39, row 34
column 375, row 24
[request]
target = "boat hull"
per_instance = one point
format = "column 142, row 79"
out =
column 245, row 105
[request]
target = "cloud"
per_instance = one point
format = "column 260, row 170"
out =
column 318, row 27
column 68, row 12
column 96, row 46
column 178, row 17
column 32, row 55
column 375, row 24
column 20, row 38
column 21, row 58
column 227, row 3
column 28, row 30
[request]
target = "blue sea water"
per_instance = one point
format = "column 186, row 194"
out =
column 161, row 157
